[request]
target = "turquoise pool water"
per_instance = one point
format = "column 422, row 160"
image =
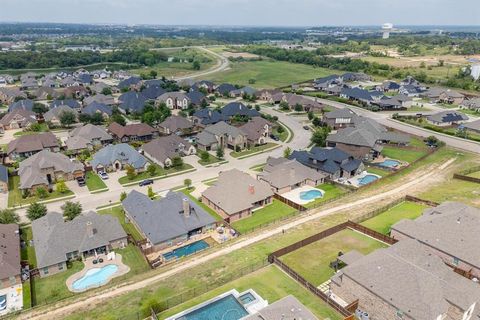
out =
column 95, row 277
column 390, row 163
column 226, row 308
column 186, row 250
column 310, row 195
column 369, row 178
column 246, row 298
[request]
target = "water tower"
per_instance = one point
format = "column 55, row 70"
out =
column 386, row 28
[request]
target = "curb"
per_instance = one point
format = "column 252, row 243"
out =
column 159, row 177
column 44, row 202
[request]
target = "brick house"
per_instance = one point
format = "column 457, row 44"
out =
column 132, row 132
column 28, row 145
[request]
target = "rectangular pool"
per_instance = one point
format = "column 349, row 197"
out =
column 186, row 250
column 226, row 308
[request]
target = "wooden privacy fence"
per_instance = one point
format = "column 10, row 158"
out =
column 466, row 178
column 418, row 200
column 288, row 202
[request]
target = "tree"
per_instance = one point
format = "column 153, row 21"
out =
column 97, row 118
column 71, row 209
column 8, row 216
column 196, row 65
column 284, row 106
column 60, row 186
column 153, row 74
column 298, row 107
column 177, row 162
column 39, row 108
column 36, row 210
column 151, row 169
column 319, row 136
column 107, row 91
column 130, row 172
column 67, row 118
column 220, row 153
column 41, row 192
column 432, row 141
column 84, row 118
column 123, row 196
column 287, row 152
column 310, row 115
column 204, row 156
column 150, row 192
column 187, row 183
column 118, row 118
column 280, row 129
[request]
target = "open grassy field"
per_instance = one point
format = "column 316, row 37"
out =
column 313, row 261
column 268, row 73
column 271, row 284
column 405, row 210
column 270, row 213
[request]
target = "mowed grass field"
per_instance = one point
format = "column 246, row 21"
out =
column 268, row 73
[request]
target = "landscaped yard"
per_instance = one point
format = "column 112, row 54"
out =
column 159, row 173
column 43, row 127
column 331, row 191
column 132, row 257
column 129, row 228
column 27, row 295
column 28, row 253
column 276, row 210
column 313, row 261
column 385, row 220
column 212, row 159
column 271, row 284
column 253, row 150
column 203, row 205
column 377, row 171
column 94, row 182
column 15, row 194
column 402, row 154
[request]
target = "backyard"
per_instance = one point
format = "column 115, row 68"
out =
column 275, row 211
column 158, row 174
column 129, row 228
column 94, row 182
column 313, row 261
column 27, row 253
column 331, row 191
column 385, row 220
column 403, row 154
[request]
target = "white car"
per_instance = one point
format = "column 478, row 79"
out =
column 103, row 175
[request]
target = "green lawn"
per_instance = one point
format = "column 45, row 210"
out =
column 120, row 215
column 159, row 172
column 211, row 160
column 331, row 191
column 402, row 154
column 42, row 128
column 270, row 283
column 253, row 150
column 276, row 210
column 268, row 73
column 28, row 253
column 201, row 204
column 94, row 182
column 258, row 168
column 15, row 194
column 282, row 135
column 405, row 210
column 27, row 295
column 313, row 261
column 377, row 171
column 132, row 257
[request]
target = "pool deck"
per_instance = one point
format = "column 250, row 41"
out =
column 381, row 159
column 294, row 195
column 122, row 269
column 355, row 181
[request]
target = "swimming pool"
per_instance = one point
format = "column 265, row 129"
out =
column 186, row 250
column 95, row 277
column 226, row 308
column 247, row 298
column 369, row 178
column 310, row 195
column 390, row 163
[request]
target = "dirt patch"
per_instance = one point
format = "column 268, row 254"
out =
column 245, row 55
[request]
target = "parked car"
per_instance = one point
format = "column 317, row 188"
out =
column 145, row 182
column 103, row 175
column 81, row 182
column 306, row 127
column 274, row 137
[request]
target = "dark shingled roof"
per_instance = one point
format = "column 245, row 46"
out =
column 10, row 252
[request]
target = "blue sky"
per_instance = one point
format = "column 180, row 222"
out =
column 245, row 12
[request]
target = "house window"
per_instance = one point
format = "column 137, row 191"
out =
column 60, row 266
column 455, row 261
column 45, row 270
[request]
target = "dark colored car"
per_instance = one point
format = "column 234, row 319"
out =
column 274, row 137
column 306, row 127
column 81, row 182
column 145, row 182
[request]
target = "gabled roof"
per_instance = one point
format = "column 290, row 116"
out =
column 33, row 142
column 237, row 108
column 95, row 107
column 57, row 112
column 129, row 82
column 196, row 97
column 255, row 128
column 329, row 160
column 225, row 88
column 289, row 173
column 122, row 152
column 174, row 123
column 82, row 136
column 361, row 94
column 167, row 147
column 340, row 113
column 354, row 136
column 99, row 98
column 164, row 219
column 447, row 116
column 208, row 116
column 288, row 308
column 10, row 251
column 152, row 92
column 27, row 116
column 25, row 104
column 134, row 129
column 132, row 101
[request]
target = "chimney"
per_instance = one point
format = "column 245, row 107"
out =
column 186, row 207
column 251, row 189
column 90, row 231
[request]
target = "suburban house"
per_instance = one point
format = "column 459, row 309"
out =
column 132, row 82
column 388, row 86
column 54, row 115
column 236, row 195
column 284, row 175
column 8, row 95
column 340, row 118
column 168, row 221
column 11, row 290
column 205, row 85
column 87, row 137
column 233, row 109
column 221, row 135
column 17, row 119
column 398, row 102
column 72, row 103
column 257, row 131
column 45, row 168
column 333, row 162
column 99, row 98
column 243, row 91
column 132, row 132
column 361, row 95
column 266, row 94
column 410, row 90
column 115, row 157
column 75, row 92
column 205, row 117
column 25, row 104
column 163, row 150
column 447, row 118
column 405, row 281
column 152, row 92
column 225, row 88
column 472, row 104
column 471, row 126
column 132, row 101
column 27, row 145
column 95, row 107
column 307, row 104
column 450, row 231
column 57, row 241
column 176, row 125
column 175, row 100
column 444, row 96
column 44, row 93
column 3, row 179
column 197, row 98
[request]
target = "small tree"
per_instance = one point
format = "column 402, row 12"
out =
column 177, row 162
column 71, row 209
column 287, row 152
column 187, row 183
column 298, row 107
column 67, row 118
column 131, row 174
column 280, row 129
column 284, row 106
column 41, row 192
column 204, row 156
column 196, row 65
column 107, row 91
column 319, row 136
column 39, row 108
column 153, row 74
column 432, row 141
column 151, row 169
column 61, row 187
column 8, row 216
column 36, row 210
column 150, row 192
column 310, row 115
column 220, row 153
column 123, row 196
